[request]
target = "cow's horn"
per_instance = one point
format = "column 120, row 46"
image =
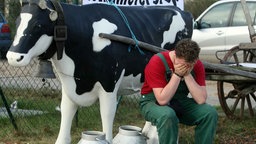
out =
column 53, row 15
column 42, row 4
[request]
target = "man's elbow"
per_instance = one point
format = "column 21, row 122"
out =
column 202, row 100
column 162, row 102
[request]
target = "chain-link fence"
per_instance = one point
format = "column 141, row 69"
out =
column 26, row 96
column 34, row 102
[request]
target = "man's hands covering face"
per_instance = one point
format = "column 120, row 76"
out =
column 183, row 69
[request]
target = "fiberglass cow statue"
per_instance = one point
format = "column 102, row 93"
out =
column 90, row 67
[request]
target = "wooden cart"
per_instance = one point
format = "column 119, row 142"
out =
column 236, row 82
column 236, row 76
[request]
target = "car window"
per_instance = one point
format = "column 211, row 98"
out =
column 239, row 17
column 218, row 16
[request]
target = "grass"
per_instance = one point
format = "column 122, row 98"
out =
column 241, row 131
column 43, row 129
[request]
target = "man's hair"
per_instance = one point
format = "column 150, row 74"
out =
column 187, row 49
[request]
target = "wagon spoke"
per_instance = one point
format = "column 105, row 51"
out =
column 242, row 107
column 249, row 105
column 236, row 58
column 235, row 105
column 253, row 96
column 246, row 55
column 252, row 55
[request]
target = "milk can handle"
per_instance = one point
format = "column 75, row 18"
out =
column 102, row 141
column 145, row 137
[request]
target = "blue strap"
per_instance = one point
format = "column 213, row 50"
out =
column 128, row 25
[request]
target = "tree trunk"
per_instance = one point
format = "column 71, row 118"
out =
column 6, row 8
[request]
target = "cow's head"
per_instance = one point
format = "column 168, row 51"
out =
column 35, row 30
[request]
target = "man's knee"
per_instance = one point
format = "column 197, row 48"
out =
column 168, row 117
column 213, row 113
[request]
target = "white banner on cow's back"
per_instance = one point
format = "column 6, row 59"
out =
column 178, row 3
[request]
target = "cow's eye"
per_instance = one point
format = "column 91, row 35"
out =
column 38, row 26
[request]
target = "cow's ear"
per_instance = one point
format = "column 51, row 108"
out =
column 23, row 2
column 53, row 15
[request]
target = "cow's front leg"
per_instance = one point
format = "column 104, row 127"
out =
column 68, row 110
column 107, row 110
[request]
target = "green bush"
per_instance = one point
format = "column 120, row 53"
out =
column 196, row 7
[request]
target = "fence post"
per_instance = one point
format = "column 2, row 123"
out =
column 8, row 110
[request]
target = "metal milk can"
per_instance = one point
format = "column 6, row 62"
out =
column 129, row 135
column 93, row 137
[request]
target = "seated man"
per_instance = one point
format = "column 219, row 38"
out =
column 165, row 102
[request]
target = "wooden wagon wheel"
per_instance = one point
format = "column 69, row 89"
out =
column 237, row 98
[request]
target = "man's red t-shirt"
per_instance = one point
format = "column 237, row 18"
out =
column 155, row 73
